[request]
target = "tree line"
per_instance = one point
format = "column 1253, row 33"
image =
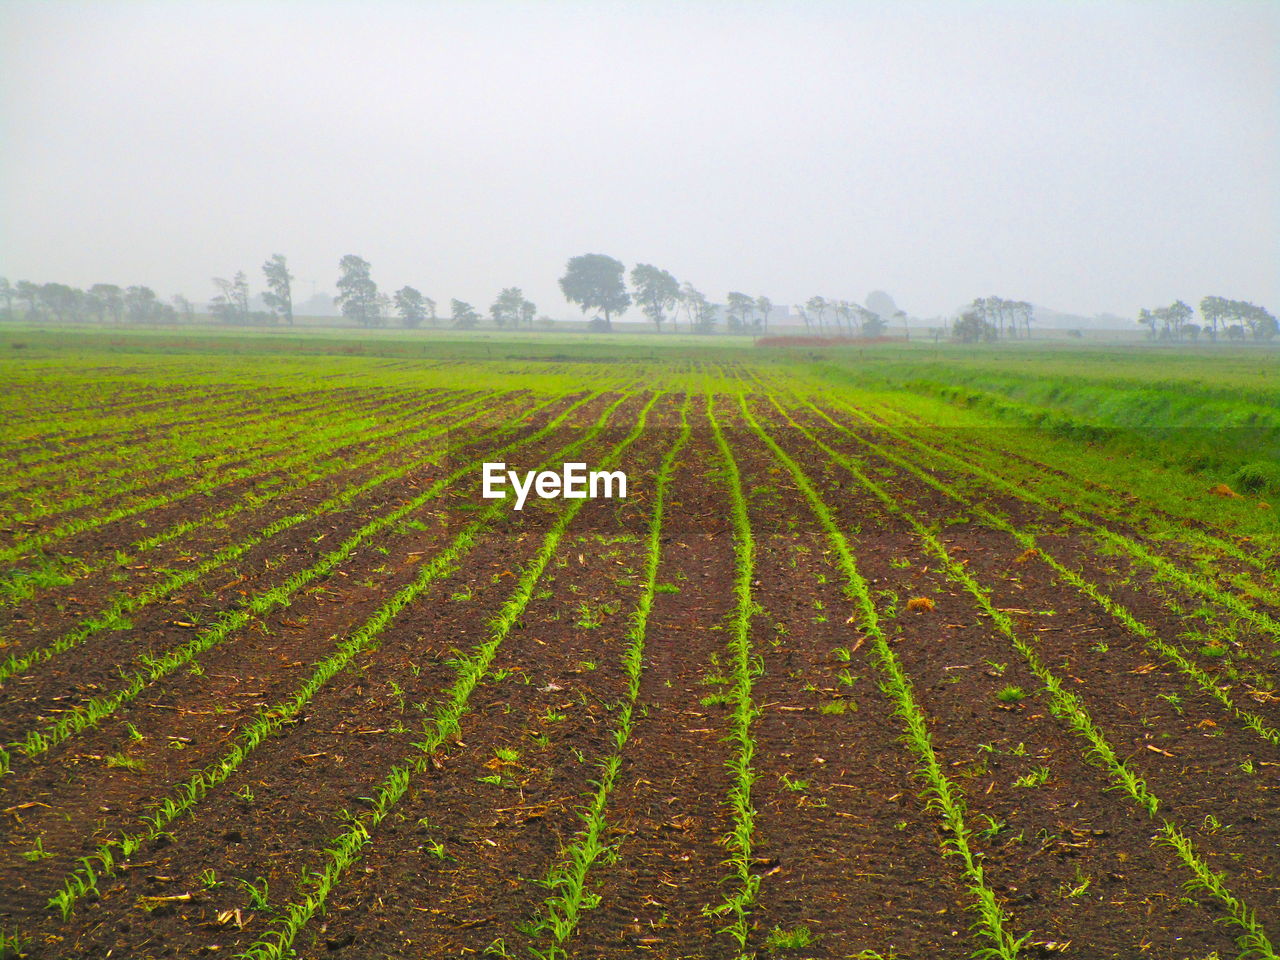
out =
column 600, row 286
column 1239, row 320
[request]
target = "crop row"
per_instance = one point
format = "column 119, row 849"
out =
column 1070, row 708
column 152, row 668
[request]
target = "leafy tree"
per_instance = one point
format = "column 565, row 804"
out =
column 231, row 305
column 843, row 312
column 6, row 294
column 429, row 306
column 184, row 307
column 107, row 298
column 1178, row 315
column 699, row 311
column 972, row 327
column 818, row 307
column 357, row 293
column 1148, row 319
column 140, row 304
column 507, row 308
column 738, row 307
column 62, row 301
column 464, row 316
column 279, row 295
column 594, row 282
column 28, row 293
column 764, row 306
column 656, row 291
column 528, row 310
column 1214, row 310
column 412, row 307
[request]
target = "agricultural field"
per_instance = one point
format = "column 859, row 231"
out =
column 887, row 653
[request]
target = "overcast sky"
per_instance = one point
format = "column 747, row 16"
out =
column 1087, row 156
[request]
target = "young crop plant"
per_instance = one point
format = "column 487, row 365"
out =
column 441, row 727
column 1162, row 566
column 743, row 669
column 90, row 713
column 1151, row 639
column 125, row 603
column 109, row 855
column 567, row 879
column 1066, row 705
column 944, row 796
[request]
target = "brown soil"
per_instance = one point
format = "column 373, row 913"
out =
column 846, row 845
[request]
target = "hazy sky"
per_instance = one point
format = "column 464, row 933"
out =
column 1088, row 156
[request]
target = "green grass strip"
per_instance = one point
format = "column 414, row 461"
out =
column 944, row 796
column 1068, row 706
column 93, row 711
column 471, row 671
column 567, row 879
column 1161, row 523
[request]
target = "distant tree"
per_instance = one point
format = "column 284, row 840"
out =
column 700, row 312
column 1261, row 324
column 28, row 293
column 1148, row 319
column 184, row 308
column 1267, row 328
column 464, row 316
column 6, row 295
column 842, row 310
column 279, row 295
column 656, row 292
column 764, row 307
column 1214, row 311
column 60, row 300
column 140, row 304
column 1177, row 316
column 804, row 317
column 817, row 306
column 973, row 327
column 411, row 307
column 231, row 305
column 381, row 310
column 1024, row 312
column 873, row 325
column 738, row 307
column 594, row 282
column 506, row 309
column 357, row 293
column 107, row 299
column 429, row 306
column 528, row 310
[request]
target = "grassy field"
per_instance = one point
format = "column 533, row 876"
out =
column 904, row 651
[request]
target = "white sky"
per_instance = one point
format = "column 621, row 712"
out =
column 1086, row 155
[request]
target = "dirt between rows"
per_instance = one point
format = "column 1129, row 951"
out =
column 847, row 849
